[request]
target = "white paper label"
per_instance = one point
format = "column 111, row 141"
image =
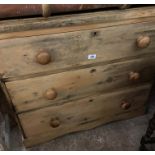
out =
column 92, row 56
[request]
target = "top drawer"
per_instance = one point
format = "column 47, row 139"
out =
column 54, row 52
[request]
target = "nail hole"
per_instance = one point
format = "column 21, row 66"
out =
column 94, row 34
column 85, row 119
column 91, row 100
column 92, row 70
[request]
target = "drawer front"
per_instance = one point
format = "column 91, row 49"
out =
column 58, row 88
column 50, row 122
column 53, row 53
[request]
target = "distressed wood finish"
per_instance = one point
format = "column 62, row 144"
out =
column 82, row 114
column 108, row 17
column 29, row 94
column 72, row 49
column 58, row 30
column 52, row 86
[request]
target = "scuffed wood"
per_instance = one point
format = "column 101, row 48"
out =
column 69, row 50
column 17, row 25
column 28, row 94
column 70, row 28
column 88, row 92
column 82, row 114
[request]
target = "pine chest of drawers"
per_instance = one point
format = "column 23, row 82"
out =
column 75, row 72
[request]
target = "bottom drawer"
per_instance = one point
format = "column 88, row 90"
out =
column 53, row 121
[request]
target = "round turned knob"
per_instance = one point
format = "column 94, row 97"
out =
column 143, row 41
column 50, row 94
column 125, row 105
column 43, row 57
column 134, row 76
column 55, row 122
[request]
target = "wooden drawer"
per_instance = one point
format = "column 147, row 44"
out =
column 21, row 56
column 50, row 122
column 58, row 88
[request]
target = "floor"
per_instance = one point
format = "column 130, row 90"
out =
column 122, row 135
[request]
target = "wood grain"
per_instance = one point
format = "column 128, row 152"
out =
column 28, row 94
column 113, row 16
column 69, row 50
column 66, row 29
column 82, row 114
column 83, row 93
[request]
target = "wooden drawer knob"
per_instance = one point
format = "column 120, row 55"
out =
column 143, row 41
column 134, row 76
column 50, row 94
column 43, row 57
column 125, row 105
column 55, row 122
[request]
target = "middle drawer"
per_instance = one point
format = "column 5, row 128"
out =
column 58, row 88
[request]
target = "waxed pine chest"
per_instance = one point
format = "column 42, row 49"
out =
column 76, row 72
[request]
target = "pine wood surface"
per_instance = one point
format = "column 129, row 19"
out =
column 69, row 50
column 82, row 114
column 28, row 94
column 88, row 93
column 106, row 17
